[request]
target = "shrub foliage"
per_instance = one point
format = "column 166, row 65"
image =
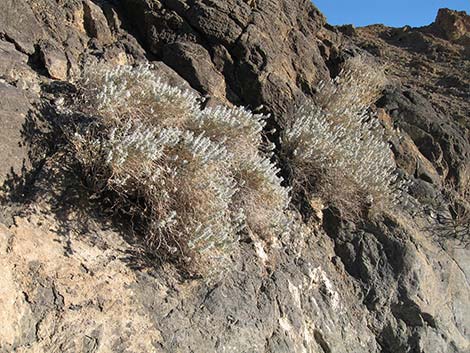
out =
column 192, row 178
column 336, row 148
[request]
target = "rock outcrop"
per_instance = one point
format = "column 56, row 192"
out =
column 431, row 103
column 74, row 282
column 453, row 25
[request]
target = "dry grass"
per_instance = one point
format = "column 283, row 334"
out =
column 455, row 223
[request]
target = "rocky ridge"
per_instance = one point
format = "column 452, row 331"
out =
column 72, row 284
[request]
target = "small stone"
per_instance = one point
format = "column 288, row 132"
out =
column 54, row 61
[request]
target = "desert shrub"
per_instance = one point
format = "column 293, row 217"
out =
column 257, row 177
column 353, row 90
column 260, row 195
column 237, row 127
column 190, row 178
column 458, row 224
column 336, row 148
column 452, row 214
column 125, row 92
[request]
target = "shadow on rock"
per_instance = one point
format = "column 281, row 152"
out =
column 56, row 182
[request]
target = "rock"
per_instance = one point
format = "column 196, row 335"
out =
column 116, row 56
column 48, row 299
column 68, row 299
column 54, row 61
column 96, row 24
column 72, row 282
column 194, row 64
column 435, row 80
column 257, row 67
column 14, row 107
column 5, row 239
column 348, row 30
column 424, row 192
column 435, row 73
column 407, row 155
column 12, row 60
column 410, row 159
column 426, row 171
column 18, row 25
column 438, row 138
column 414, row 311
column 454, row 25
column 170, row 76
column 291, row 310
column 14, row 64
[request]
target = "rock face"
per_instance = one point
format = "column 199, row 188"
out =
column 72, row 282
column 15, row 107
column 453, row 25
column 267, row 52
column 432, row 103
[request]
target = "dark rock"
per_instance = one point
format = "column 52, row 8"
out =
column 193, row 63
column 437, row 137
column 391, row 268
column 170, row 76
column 423, row 191
column 258, row 68
column 14, row 107
column 453, row 25
column 348, row 30
column 19, row 25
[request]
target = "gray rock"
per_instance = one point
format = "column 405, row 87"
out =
column 13, row 63
column 258, row 66
column 436, row 135
column 72, row 284
column 54, row 60
column 19, row 25
column 14, row 107
column 193, row 63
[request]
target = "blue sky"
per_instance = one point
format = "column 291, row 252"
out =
column 394, row 13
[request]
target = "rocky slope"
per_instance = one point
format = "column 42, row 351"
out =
column 73, row 282
column 432, row 64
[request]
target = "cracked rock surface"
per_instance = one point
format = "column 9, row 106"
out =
column 386, row 284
